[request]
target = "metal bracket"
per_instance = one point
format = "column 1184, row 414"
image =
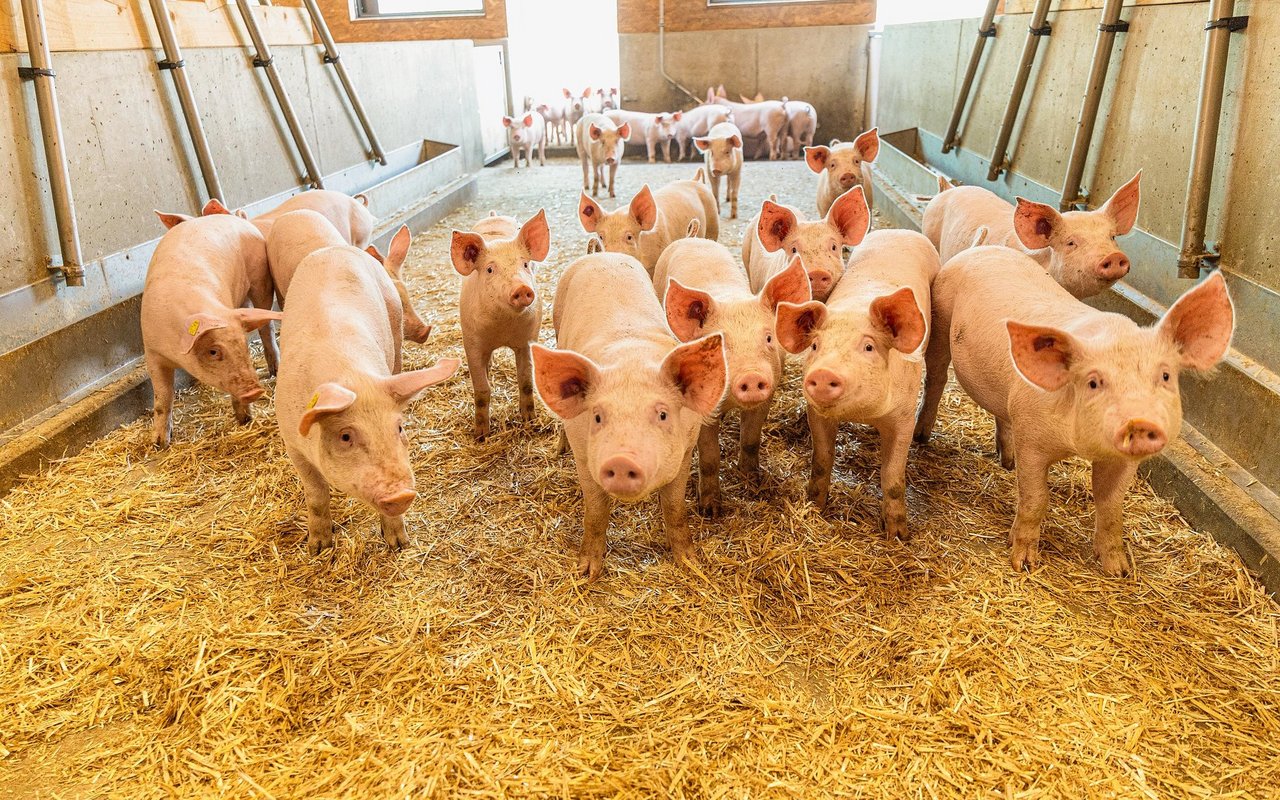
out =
column 28, row 73
column 1120, row 27
column 1232, row 24
column 167, row 64
column 328, row 59
column 988, row 33
column 1045, row 31
column 263, row 63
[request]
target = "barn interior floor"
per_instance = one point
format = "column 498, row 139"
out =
column 163, row 631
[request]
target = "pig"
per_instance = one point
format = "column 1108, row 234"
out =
column 600, row 142
column 843, row 165
column 200, row 276
column 652, row 220
column 499, row 303
column 764, row 122
column 721, row 150
column 341, row 396
column 349, row 215
column 525, row 136
column 575, row 107
column 705, row 291
column 655, row 129
column 1063, row 379
column 698, row 121
column 802, row 123
column 1078, row 248
column 414, row 329
column 779, row 232
column 632, row 398
column 862, row 360
column 607, row 100
column 555, row 122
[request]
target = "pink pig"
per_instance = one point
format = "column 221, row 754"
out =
column 779, row 232
column 200, row 276
column 652, row 220
column 340, row 397
column 706, row 292
column 499, row 303
column 632, row 398
column 349, row 215
column 1078, row 248
column 802, row 124
column 842, row 166
column 526, row 136
column 600, row 144
column 764, row 121
column 721, row 149
column 1063, row 379
column 698, row 121
column 654, row 129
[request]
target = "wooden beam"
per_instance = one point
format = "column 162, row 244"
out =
column 1025, row 6
column 84, row 25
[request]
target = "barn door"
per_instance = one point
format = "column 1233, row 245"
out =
column 491, row 98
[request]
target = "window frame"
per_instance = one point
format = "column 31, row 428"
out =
column 740, row 3
column 360, row 10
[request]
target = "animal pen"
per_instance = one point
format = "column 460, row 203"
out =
column 182, row 614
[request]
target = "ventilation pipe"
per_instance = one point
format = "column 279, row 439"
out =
column 1107, row 30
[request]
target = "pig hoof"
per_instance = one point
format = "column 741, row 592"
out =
column 710, row 507
column 686, row 555
column 160, row 442
column 590, row 566
column 394, row 536
column 318, row 543
column 1025, row 556
column 1115, row 564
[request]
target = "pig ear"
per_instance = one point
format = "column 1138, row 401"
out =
column 711, row 95
column 702, row 143
column 735, row 141
column 197, row 326
column 643, row 209
column 567, row 93
column 1041, row 355
column 535, row 236
column 720, row 92
column 594, row 131
column 506, row 122
column 776, row 224
column 253, row 318
column 850, row 216
column 898, row 315
column 405, row 386
column 1034, row 223
column 796, row 324
column 679, row 115
column 170, row 220
column 466, row 250
column 816, row 157
column 698, row 370
column 528, row 120
column 397, row 251
column 563, row 378
column 944, row 184
column 589, row 213
column 1200, row 323
column 789, row 286
column 868, row 144
column 624, row 130
column 329, row 398
column 214, row 206
column 1123, row 205
column 687, row 310
column 373, row 251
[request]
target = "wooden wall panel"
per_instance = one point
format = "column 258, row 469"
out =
column 641, row 16
column 493, row 25
column 1026, row 6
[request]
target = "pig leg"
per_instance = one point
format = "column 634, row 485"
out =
column 715, row 189
column 680, row 142
column 542, row 152
column 478, row 358
column 937, row 358
column 613, row 170
column 595, row 520
column 823, row 433
column 316, row 489
column 1004, row 444
column 1111, row 480
column 709, row 469
column 731, row 190
column 562, row 446
column 650, row 146
column 162, row 406
column 666, row 150
column 524, row 379
column 393, row 532
column 263, row 296
column 895, row 441
column 586, row 175
column 751, row 424
column 675, row 520
column 1033, row 501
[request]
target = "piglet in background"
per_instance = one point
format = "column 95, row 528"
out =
column 653, row 129
column 802, row 124
column 652, row 220
column 721, row 151
column 780, row 232
column 499, row 303
column 600, row 144
column 525, row 136
column 555, row 123
column 698, row 121
column 764, row 122
column 843, row 165
column 575, row 106
column 200, row 276
column 632, row 398
column 341, row 396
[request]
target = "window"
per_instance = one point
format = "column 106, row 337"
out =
column 714, row 3
column 419, row 8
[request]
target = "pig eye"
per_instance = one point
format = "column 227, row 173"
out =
column 869, row 347
column 662, row 415
column 794, row 251
column 630, row 237
column 346, row 437
column 833, row 248
column 215, row 354
column 1071, row 243
column 597, row 419
column 1165, row 376
column 814, row 347
column 768, row 338
column 489, row 269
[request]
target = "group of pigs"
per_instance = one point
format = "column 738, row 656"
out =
column 659, row 333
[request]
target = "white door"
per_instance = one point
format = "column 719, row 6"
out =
column 491, row 98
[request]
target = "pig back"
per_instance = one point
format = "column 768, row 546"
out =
column 701, row 264
column 338, row 304
column 604, row 299
column 886, row 261
column 207, row 258
column 953, row 217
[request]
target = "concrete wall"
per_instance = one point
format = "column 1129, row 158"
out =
column 129, row 154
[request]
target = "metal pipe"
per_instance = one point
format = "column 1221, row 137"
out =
column 331, row 57
column 186, row 98
column 1192, row 251
column 1107, row 30
column 64, row 208
column 662, row 52
column 986, row 30
column 1039, row 27
column 263, row 59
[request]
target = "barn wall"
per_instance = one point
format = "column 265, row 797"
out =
column 815, row 52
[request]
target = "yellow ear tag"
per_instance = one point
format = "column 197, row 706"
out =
column 194, row 328
column 315, row 398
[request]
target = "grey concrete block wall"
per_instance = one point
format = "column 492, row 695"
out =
column 824, row 65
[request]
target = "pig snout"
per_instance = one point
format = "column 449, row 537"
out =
column 395, row 504
column 751, row 389
column 1113, row 267
column 622, row 476
column 521, row 297
column 847, row 180
column 611, row 160
column 823, row 386
column 249, row 395
column 716, row 173
column 820, row 283
column 1141, row 438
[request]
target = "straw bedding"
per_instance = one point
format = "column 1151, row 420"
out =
column 163, row 632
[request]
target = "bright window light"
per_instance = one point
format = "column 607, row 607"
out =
column 420, row 8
